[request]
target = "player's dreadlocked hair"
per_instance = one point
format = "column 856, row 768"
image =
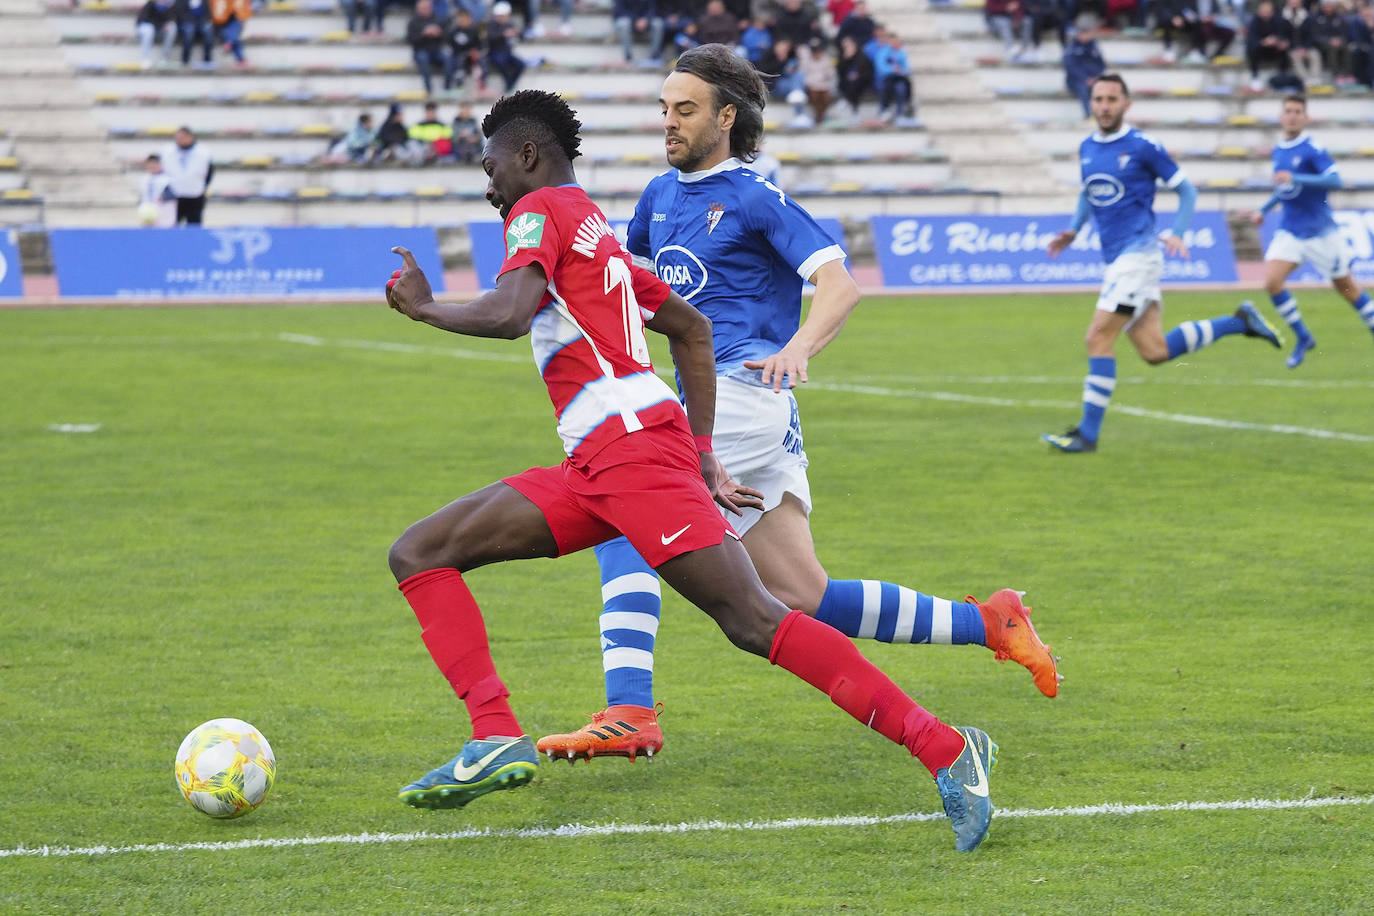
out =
column 733, row 81
column 532, row 115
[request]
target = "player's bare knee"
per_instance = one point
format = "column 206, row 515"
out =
column 747, row 627
column 1155, row 356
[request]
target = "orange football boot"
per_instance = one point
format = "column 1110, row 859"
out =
column 1010, row 635
column 616, row 731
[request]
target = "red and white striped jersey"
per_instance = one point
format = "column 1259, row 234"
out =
column 588, row 335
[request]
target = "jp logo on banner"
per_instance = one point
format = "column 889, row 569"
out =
column 1357, row 231
column 249, row 262
column 11, row 276
column 977, row 251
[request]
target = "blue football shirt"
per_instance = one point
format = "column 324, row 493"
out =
column 1306, row 212
column 1119, row 175
column 736, row 247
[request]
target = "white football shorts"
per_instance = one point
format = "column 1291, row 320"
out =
column 1132, row 280
column 758, row 438
column 1326, row 253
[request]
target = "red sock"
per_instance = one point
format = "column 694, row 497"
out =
column 827, row 660
column 452, row 628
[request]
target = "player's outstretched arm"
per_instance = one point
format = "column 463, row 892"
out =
column 836, row 296
column 505, row 312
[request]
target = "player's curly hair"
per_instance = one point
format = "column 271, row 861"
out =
column 532, row 115
column 733, row 81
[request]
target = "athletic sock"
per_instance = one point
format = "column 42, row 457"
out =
column 1287, row 307
column 452, row 628
column 1098, row 386
column 1191, row 336
column 868, row 609
column 824, row 658
column 1365, row 308
column 629, row 623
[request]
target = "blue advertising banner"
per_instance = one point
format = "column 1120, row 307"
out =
column 11, row 276
column 952, row 252
column 248, row 261
column 1357, row 229
column 488, row 245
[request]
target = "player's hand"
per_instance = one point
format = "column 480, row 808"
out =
column 1283, row 176
column 1174, row 247
column 724, row 490
column 1061, row 241
column 1254, row 216
column 788, row 365
column 408, row 289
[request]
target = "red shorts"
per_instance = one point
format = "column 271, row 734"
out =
column 646, row 486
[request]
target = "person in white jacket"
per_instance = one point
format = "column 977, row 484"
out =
column 157, row 205
column 189, row 171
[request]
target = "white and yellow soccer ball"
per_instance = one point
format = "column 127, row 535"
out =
column 225, row 768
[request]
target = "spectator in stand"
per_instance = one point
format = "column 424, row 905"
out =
column 500, row 44
column 465, row 44
column 432, row 138
column 819, row 77
column 1307, row 63
column 1195, row 21
column 393, row 138
column 365, row 10
column 189, row 170
column 1117, row 12
column 858, row 25
column 855, row 72
column 356, row 145
column 1001, row 17
column 194, row 25
column 631, row 18
column 1267, row 40
column 1083, row 63
column 796, row 22
column 1362, row 45
column 157, row 204
column 467, row 135
column 892, row 77
column 1328, row 32
column 678, row 16
column 780, row 61
column 836, row 11
column 716, row 25
column 429, row 45
column 1036, row 17
column 156, row 23
column 755, row 39
column 229, row 17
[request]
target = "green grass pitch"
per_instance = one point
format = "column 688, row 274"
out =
column 217, row 547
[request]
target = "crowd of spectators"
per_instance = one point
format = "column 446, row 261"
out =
column 1297, row 42
column 159, row 24
column 431, row 139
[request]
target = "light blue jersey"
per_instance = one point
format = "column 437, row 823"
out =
column 1306, row 212
column 738, row 249
column 1119, row 175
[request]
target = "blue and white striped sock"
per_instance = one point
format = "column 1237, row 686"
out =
column 1365, row 307
column 1191, row 336
column 1097, row 394
column 868, row 609
column 629, row 623
column 1287, row 307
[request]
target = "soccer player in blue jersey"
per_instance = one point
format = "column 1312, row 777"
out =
column 736, row 247
column 1303, row 174
column 1120, row 166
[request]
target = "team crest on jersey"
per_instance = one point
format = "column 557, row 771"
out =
column 1122, row 160
column 1297, row 159
column 713, row 215
column 526, row 231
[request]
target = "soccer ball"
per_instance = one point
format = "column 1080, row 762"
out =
column 225, row 768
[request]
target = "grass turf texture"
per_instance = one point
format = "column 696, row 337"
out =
column 218, row 548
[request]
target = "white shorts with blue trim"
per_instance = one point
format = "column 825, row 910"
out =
column 1132, row 280
column 758, row 438
column 1326, row 253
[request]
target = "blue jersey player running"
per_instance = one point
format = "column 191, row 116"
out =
column 1303, row 174
column 737, row 248
column 1120, row 166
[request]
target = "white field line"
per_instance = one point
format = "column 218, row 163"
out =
column 883, row 391
column 578, row 831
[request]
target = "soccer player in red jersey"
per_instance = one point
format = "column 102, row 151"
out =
column 637, row 465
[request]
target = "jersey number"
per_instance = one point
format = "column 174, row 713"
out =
column 618, row 274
